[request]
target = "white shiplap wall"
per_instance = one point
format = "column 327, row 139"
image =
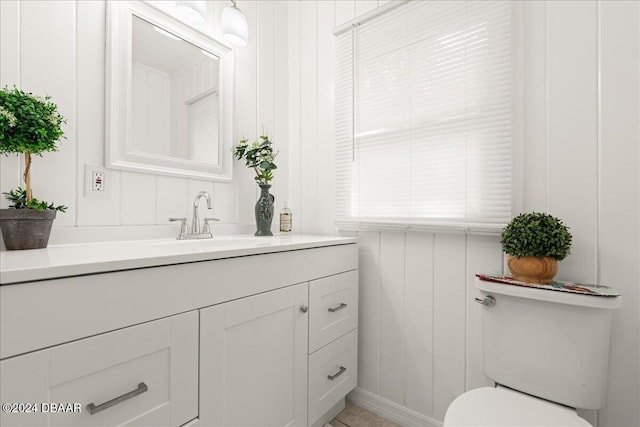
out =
column 419, row 332
column 577, row 157
column 58, row 48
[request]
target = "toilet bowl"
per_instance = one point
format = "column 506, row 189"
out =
column 501, row 406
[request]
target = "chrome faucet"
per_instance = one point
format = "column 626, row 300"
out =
column 197, row 232
column 195, row 223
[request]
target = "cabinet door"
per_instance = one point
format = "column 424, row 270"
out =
column 253, row 360
column 24, row 379
column 144, row 375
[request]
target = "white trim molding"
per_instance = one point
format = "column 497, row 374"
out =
column 390, row 410
column 448, row 228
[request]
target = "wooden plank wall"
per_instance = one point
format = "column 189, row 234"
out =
column 58, row 48
column 419, row 332
column 576, row 157
column 419, row 327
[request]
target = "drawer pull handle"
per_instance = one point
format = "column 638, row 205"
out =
column 337, row 374
column 340, row 307
column 93, row 409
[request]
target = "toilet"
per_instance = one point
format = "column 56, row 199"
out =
column 548, row 353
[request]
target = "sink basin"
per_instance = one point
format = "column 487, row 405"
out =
column 218, row 242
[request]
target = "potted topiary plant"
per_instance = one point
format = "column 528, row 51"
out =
column 534, row 243
column 29, row 125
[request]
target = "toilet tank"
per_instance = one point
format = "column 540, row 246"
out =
column 550, row 344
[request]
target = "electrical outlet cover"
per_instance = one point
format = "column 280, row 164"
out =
column 97, row 181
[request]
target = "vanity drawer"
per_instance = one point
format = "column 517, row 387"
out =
column 333, row 308
column 332, row 374
column 144, row 375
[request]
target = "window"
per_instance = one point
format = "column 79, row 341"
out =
column 423, row 115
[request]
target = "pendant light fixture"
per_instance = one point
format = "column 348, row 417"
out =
column 234, row 25
column 193, row 11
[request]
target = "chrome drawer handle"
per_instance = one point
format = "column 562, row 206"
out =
column 340, row 307
column 337, row 374
column 93, row 409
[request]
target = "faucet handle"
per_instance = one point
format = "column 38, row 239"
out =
column 205, row 226
column 183, row 226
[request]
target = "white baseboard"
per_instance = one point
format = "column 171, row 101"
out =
column 390, row 410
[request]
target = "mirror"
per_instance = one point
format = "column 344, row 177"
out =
column 168, row 95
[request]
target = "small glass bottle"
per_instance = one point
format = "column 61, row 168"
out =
column 285, row 219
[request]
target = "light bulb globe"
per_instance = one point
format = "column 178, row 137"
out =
column 234, row 26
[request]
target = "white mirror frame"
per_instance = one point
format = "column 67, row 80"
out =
column 119, row 152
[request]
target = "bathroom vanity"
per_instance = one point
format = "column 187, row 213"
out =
column 227, row 331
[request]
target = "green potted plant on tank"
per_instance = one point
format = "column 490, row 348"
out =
column 534, row 243
column 29, row 125
column 260, row 156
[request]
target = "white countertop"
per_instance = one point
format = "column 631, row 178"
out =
column 57, row 261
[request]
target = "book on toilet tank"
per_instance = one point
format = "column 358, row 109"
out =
column 571, row 287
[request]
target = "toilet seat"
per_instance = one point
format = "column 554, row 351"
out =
column 500, row 406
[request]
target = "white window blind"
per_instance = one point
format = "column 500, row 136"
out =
column 423, row 115
column 202, row 129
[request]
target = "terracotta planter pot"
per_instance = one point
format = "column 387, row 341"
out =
column 532, row 269
column 26, row 228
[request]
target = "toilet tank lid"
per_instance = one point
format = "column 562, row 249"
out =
column 489, row 406
column 483, row 283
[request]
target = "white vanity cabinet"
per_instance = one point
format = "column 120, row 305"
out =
column 253, row 366
column 258, row 336
column 144, row 375
column 281, row 358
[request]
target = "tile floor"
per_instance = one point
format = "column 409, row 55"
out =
column 355, row 416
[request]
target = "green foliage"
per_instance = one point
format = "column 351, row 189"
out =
column 28, row 123
column 259, row 156
column 536, row 234
column 18, row 199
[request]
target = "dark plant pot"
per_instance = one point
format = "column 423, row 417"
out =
column 26, row 228
column 264, row 211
